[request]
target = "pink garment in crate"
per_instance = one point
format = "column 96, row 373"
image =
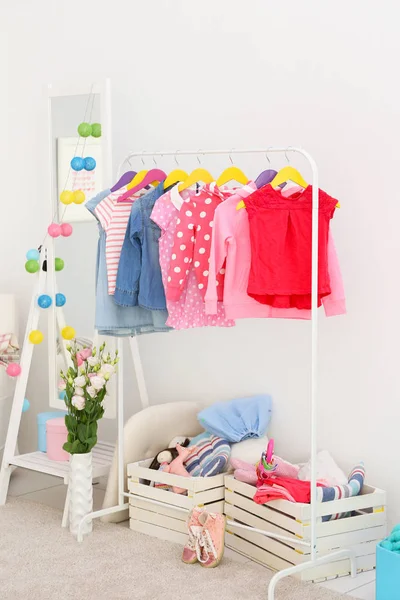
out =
column 56, row 435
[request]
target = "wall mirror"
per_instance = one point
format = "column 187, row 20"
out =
column 80, row 159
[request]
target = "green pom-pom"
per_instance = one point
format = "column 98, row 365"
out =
column 85, row 129
column 59, row 264
column 32, row 266
column 96, row 130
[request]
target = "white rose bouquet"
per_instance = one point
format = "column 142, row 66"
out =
column 85, row 386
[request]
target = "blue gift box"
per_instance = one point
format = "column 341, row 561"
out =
column 387, row 574
column 41, row 421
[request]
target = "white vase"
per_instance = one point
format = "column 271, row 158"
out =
column 81, row 492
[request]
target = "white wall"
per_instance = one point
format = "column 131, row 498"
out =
column 237, row 74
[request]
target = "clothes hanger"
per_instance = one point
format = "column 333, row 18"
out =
column 152, row 176
column 176, row 176
column 198, row 174
column 232, row 173
column 265, row 176
column 124, row 180
column 195, row 176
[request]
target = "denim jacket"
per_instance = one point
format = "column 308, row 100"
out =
column 139, row 279
column 111, row 319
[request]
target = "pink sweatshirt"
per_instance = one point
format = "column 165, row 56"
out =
column 231, row 242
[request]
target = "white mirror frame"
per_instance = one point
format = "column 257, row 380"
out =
column 55, row 315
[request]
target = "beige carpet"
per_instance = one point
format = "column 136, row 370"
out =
column 41, row 561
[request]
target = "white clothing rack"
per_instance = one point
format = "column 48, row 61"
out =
column 122, row 495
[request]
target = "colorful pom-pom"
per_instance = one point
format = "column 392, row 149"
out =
column 90, row 163
column 13, row 369
column 26, row 405
column 84, row 129
column 32, row 266
column 54, row 230
column 36, row 337
column 60, row 299
column 68, row 333
column 66, row 197
column 79, row 197
column 59, row 264
column 44, row 301
column 77, row 163
column 33, row 254
column 66, row 229
column 96, row 130
column 62, row 395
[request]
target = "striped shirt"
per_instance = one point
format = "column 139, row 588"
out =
column 113, row 217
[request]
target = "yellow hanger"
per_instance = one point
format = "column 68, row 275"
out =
column 139, row 178
column 288, row 173
column 232, row 174
column 176, row 176
column 199, row 174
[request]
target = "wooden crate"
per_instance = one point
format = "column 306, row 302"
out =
column 360, row 532
column 168, row 521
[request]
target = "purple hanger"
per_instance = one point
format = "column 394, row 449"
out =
column 124, row 180
column 265, row 177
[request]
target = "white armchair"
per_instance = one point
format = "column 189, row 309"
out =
column 147, row 433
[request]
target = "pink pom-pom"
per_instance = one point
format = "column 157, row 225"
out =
column 66, row 229
column 13, row 369
column 54, row 230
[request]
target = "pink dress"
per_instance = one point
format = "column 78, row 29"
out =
column 189, row 310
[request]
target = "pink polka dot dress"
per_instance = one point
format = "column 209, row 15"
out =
column 187, row 309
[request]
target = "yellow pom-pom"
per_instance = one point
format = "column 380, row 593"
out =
column 79, row 197
column 68, row 333
column 36, row 337
column 67, row 197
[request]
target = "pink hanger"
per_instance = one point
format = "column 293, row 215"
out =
column 152, row 175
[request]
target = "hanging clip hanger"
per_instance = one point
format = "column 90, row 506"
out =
column 287, row 173
column 176, row 176
column 124, row 180
column 266, row 176
column 153, row 176
column 232, row 173
column 198, row 174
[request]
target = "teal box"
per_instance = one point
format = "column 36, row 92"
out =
column 41, row 422
column 387, row 574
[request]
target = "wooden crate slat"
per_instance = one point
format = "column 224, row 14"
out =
column 167, row 509
column 206, row 483
column 161, row 495
column 203, row 498
column 350, row 538
column 147, row 516
column 271, row 545
column 350, row 524
column 237, row 514
column 338, row 568
column 255, row 553
column 158, row 532
column 263, row 511
column 138, row 472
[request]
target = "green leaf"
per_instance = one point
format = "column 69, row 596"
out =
column 74, row 447
column 82, row 433
column 71, row 437
column 91, row 442
column 71, row 423
column 68, row 447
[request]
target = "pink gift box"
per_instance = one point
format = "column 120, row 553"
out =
column 56, row 436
